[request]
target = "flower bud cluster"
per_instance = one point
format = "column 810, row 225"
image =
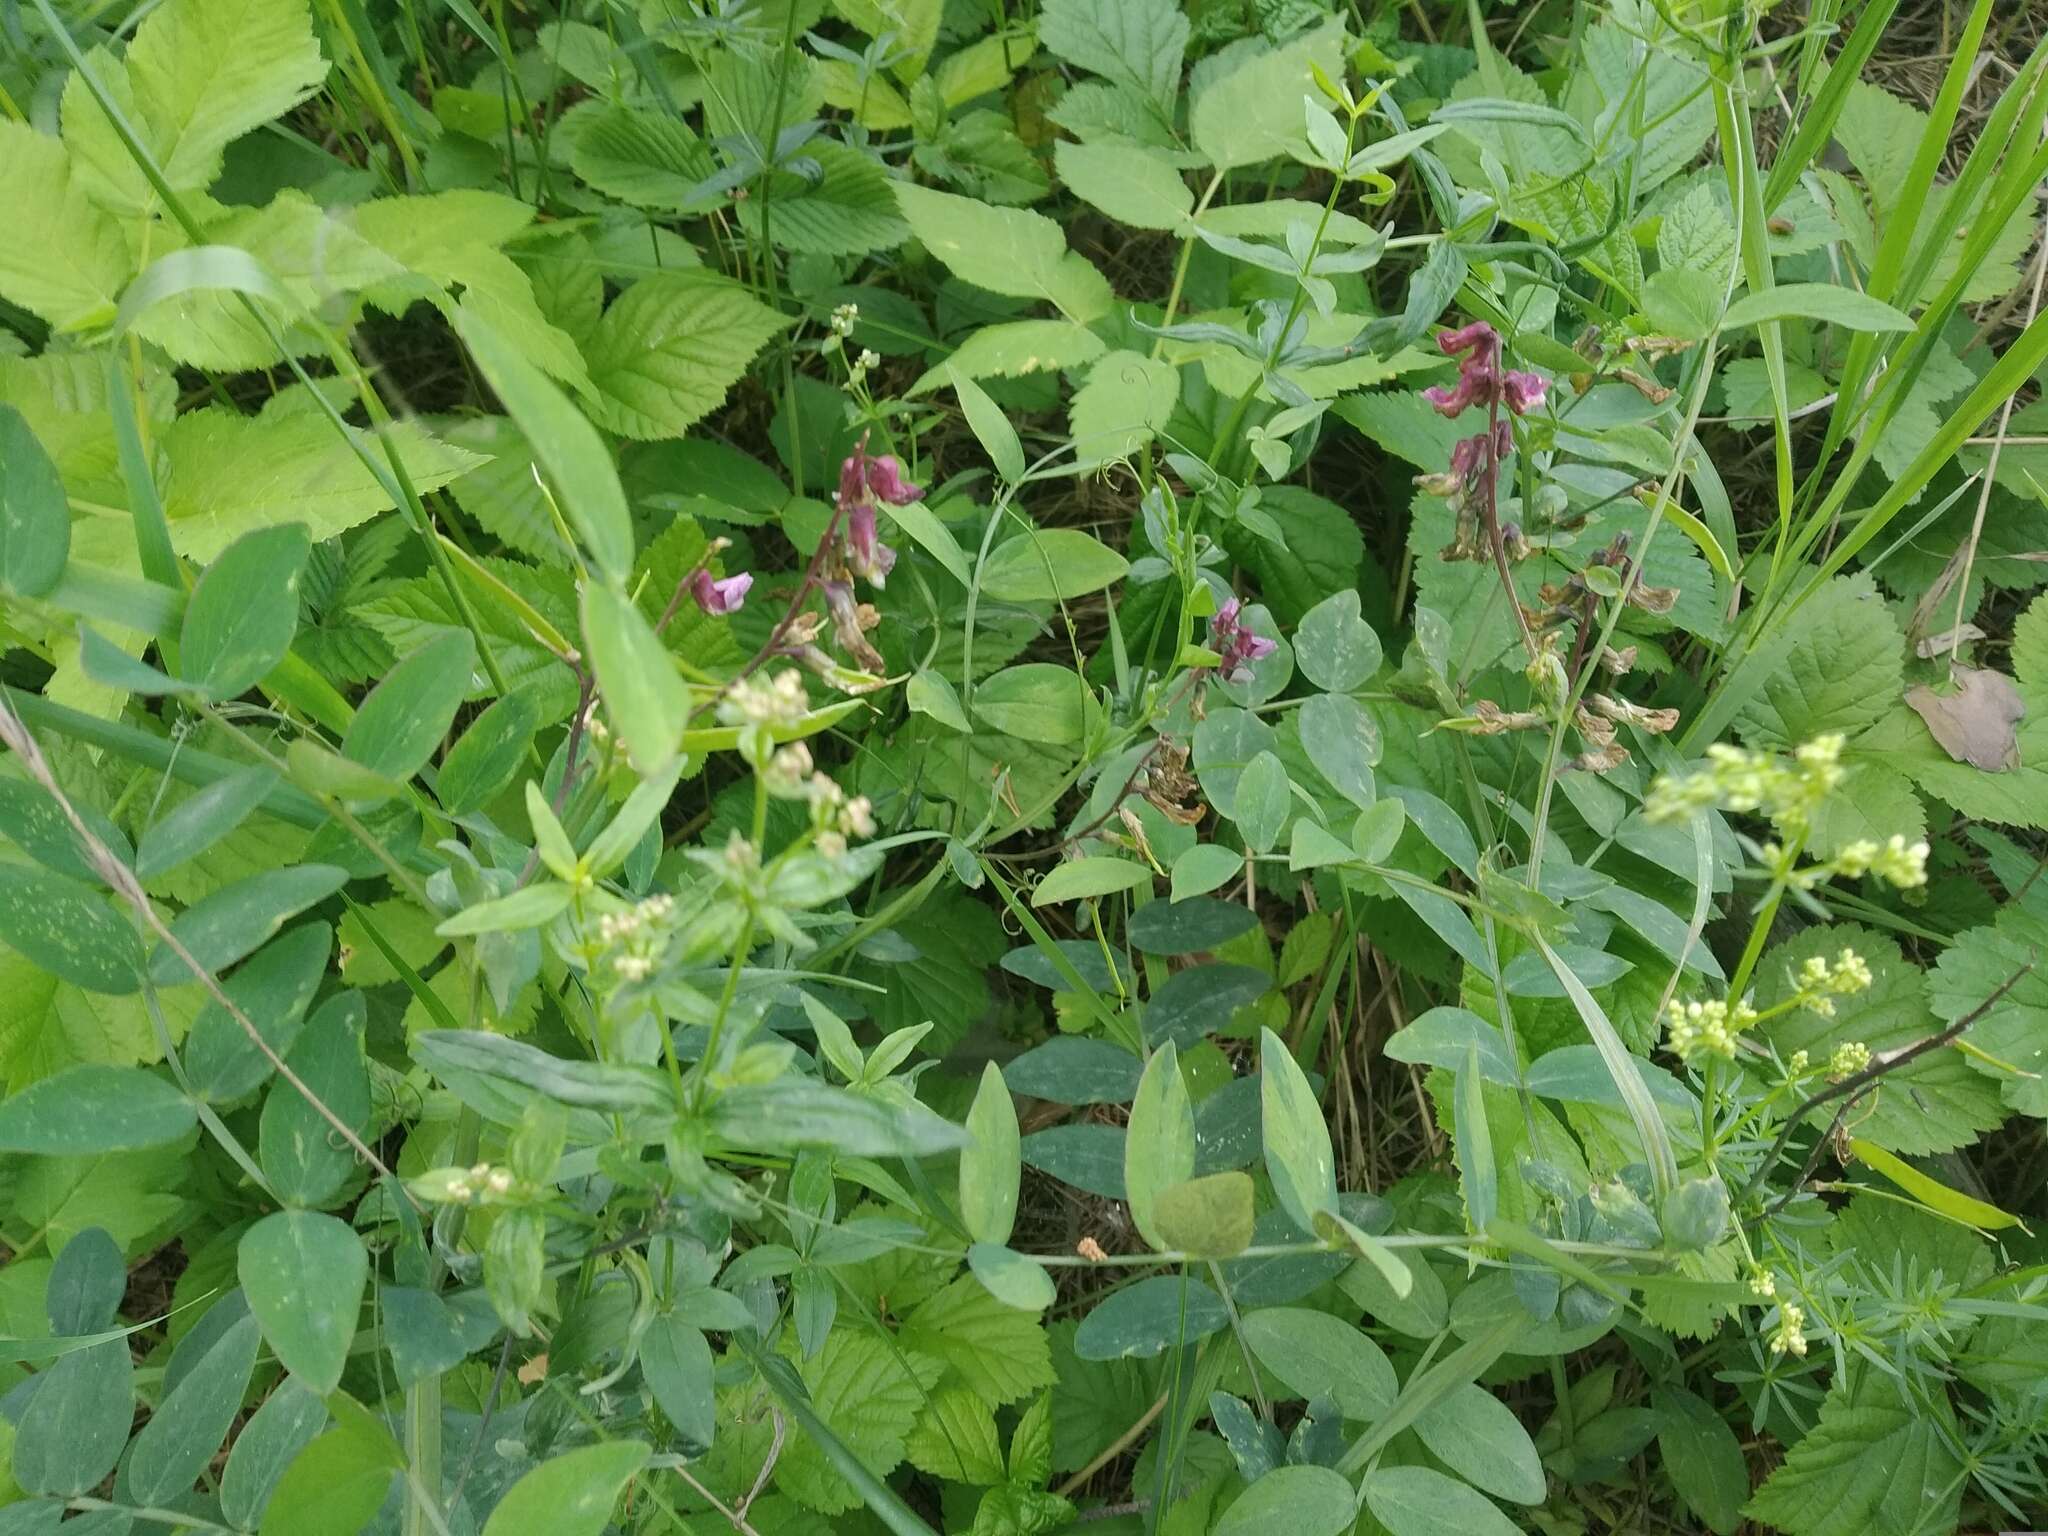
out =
column 1697, row 1030
column 1738, row 780
column 1819, row 981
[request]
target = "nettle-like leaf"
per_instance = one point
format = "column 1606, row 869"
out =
column 1939, row 1102
column 1876, row 1457
column 73, row 272
column 2017, row 794
column 669, row 348
column 231, row 473
column 1839, row 669
column 198, row 75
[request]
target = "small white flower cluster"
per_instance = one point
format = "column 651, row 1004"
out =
column 1790, row 1335
column 791, row 775
column 465, row 1186
column 1763, row 1284
column 843, row 320
column 857, row 370
column 761, row 701
column 1895, row 861
column 637, row 936
column 1737, row 780
column 1819, row 982
column 1700, row 1029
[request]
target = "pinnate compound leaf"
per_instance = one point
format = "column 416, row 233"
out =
column 1253, row 112
column 1302, row 1500
column 304, row 1275
column 182, row 1435
column 955, row 1439
column 1148, row 1317
column 1297, row 1141
column 1159, row 1148
column 83, row 1410
column 1012, row 1278
column 397, row 727
column 586, row 482
column 1130, row 184
column 1418, row 1501
column 230, row 473
column 68, row 928
column 268, row 1443
column 669, row 348
column 1476, row 1435
column 1317, row 1355
column 647, row 700
column 990, row 1164
column 571, row 1494
column 336, row 1484
column 869, row 1395
column 94, row 1108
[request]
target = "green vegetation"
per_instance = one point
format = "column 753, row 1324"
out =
column 1005, row 766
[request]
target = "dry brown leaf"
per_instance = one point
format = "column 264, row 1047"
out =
column 1979, row 722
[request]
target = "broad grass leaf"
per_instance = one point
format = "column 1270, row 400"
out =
column 35, row 516
column 564, row 443
column 647, row 700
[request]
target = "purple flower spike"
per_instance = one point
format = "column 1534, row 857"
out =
column 1235, row 644
column 862, row 481
column 717, row 597
column 1523, row 392
column 1480, row 379
column 885, row 479
column 866, row 555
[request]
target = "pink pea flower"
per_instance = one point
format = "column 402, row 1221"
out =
column 1236, row 644
column 720, row 596
column 1480, row 379
column 865, row 482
